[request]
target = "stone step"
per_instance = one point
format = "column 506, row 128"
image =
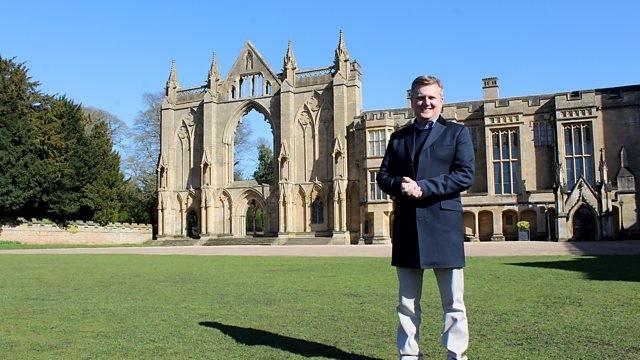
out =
column 308, row 241
column 240, row 241
column 175, row 242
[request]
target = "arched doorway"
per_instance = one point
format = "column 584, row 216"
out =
column 509, row 227
column 584, row 224
column 192, row 225
column 469, row 225
column 255, row 221
column 485, row 225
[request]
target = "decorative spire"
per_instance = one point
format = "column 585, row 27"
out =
column 214, row 74
column 289, row 58
column 341, row 50
column 173, row 76
column 340, row 62
column 172, row 83
column 603, row 167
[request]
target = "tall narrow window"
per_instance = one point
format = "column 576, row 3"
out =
column 543, row 134
column 374, row 191
column 578, row 142
column 377, row 141
column 506, row 161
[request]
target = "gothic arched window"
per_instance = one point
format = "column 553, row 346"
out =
column 317, row 211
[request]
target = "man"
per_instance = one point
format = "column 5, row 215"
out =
column 426, row 166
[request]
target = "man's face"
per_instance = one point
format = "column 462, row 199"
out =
column 426, row 101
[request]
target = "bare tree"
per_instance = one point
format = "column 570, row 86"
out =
column 117, row 128
column 242, row 146
column 141, row 164
column 145, row 136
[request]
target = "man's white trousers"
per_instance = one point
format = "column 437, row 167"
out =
column 455, row 334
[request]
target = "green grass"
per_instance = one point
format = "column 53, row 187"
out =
column 134, row 306
column 18, row 245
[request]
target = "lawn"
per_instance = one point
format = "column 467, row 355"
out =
column 18, row 245
column 135, row 306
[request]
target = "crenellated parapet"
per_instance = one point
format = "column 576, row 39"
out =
column 400, row 114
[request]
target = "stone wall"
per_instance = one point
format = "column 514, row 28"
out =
column 79, row 232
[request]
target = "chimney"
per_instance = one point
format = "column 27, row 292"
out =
column 490, row 88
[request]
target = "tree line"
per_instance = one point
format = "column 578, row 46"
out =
column 57, row 159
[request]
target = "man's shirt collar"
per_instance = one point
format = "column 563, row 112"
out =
column 427, row 126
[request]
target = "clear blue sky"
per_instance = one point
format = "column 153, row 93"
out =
column 108, row 53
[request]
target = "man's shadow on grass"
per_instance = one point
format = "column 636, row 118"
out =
column 606, row 268
column 249, row 336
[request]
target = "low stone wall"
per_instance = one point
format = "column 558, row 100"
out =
column 77, row 232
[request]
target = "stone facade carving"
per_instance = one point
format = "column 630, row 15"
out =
column 305, row 126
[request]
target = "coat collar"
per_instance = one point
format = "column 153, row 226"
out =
column 436, row 131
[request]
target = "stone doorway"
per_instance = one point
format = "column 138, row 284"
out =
column 584, row 224
column 255, row 220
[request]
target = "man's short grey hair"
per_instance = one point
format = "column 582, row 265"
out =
column 426, row 80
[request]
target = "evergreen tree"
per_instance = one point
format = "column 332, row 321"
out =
column 55, row 175
column 102, row 193
column 264, row 173
column 138, row 204
column 77, row 164
column 18, row 161
column 55, row 161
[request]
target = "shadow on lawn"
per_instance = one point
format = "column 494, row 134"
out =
column 614, row 268
column 249, row 336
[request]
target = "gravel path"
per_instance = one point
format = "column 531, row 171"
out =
column 515, row 248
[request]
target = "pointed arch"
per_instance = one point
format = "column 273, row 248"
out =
column 182, row 156
column 324, row 142
column 244, row 108
column 205, row 167
column 251, row 206
column 305, row 143
column 469, row 225
column 226, row 206
column 584, row 223
column 231, row 126
column 284, row 164
column 317, row 201
column 300, row 221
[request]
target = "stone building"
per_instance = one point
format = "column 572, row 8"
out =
column 562, row 162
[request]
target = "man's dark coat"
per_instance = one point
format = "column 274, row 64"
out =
column 427, row 232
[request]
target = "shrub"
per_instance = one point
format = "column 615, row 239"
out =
column 73, row 228
column 522, row 225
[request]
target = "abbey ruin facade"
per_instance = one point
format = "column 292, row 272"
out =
column 563, row 162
